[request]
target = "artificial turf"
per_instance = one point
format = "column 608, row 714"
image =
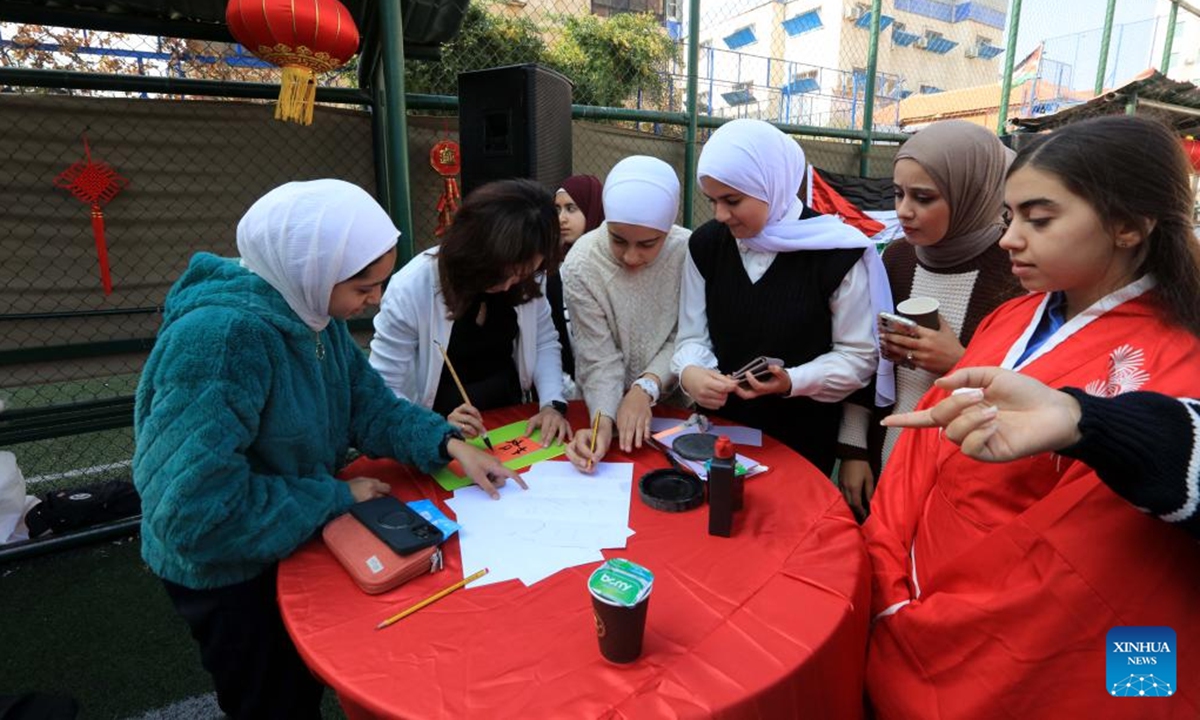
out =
column 95, row 624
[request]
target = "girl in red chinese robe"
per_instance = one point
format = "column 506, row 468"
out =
column 995, row 585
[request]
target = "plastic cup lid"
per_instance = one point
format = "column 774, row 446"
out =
column 620, row 582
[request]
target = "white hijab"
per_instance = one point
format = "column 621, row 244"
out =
column 642, row 190
column 305, row 237
column 757, row 159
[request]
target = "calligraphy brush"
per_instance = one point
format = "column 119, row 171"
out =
column 462, row 390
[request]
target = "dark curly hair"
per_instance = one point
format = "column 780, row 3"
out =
column 1132, row 170
column 501, row 226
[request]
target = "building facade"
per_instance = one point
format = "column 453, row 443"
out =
column 804, row 61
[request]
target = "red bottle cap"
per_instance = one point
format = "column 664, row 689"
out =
column 723, row 448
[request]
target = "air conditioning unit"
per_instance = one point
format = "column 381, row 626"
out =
column 971, row 52
column 922, row 42
column 854, row 12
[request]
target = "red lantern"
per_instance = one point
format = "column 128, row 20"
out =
column 304, row 37
column 1192, row 148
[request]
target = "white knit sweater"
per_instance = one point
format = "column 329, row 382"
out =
column 622, row 322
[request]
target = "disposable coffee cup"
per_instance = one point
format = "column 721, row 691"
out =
column 921, row 310
column 620, row 592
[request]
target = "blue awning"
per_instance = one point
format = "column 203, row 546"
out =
column 904, row 39
column 738, row 97
column 987, row 52
column 940, row 45
column 865, row 21
column 801, row 85
column 803, row 23
column 741, row 38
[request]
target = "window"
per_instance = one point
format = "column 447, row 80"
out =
column 930, row 89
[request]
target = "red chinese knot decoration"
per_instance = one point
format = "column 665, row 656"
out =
column 447, row 161
column 95, row 184
column 304, row 37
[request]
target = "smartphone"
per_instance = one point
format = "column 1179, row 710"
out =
column 396, row 524
column 759, row 367
column 899, row 325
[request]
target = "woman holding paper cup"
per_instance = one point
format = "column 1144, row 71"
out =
column 478, row 297
column 996, row 585
column 768, row 276
column 947, row 276
column 622, row 289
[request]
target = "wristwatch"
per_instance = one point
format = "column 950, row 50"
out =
column 444, row 446
column 558, row 405
column 650, row 387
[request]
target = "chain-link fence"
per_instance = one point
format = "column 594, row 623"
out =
column 194, row 164
column 186, row 168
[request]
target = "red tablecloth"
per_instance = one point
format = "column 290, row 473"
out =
column 769, row 623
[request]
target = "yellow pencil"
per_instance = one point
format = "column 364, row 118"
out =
column 595, row 429
column 431, row 599
column 461, row 390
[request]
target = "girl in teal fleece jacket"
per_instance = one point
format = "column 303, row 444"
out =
column 247, row 407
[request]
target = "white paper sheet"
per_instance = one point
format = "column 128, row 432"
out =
column 564, row 519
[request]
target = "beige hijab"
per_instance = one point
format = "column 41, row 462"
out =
column 968, row 163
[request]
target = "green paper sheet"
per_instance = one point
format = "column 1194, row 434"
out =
column 450, row 480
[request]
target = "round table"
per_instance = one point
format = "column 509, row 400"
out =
column 771, row 622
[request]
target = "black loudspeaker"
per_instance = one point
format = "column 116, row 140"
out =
column 514, row 122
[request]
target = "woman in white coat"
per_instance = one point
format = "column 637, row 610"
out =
column 478, row 296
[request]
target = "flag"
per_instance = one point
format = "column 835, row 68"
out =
column 1030, row 67
column 828, row 201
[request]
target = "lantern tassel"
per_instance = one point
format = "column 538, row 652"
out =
column 101, row 248
column 297, row 95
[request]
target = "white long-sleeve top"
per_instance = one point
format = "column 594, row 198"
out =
column 830, row 377
column 412, row 315
column 623, row 322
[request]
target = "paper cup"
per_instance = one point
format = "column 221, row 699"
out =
column 921, row 310
column 620, row 593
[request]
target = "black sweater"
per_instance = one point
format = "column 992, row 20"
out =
column 785, row 315
column 1146, row 447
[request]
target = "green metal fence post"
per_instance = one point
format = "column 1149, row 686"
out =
column 869, row 101
column 1166, row 61
column 391, row 27
column 689, row 147
column 1105, row 38
column 1131, row 103
column 1014, row 24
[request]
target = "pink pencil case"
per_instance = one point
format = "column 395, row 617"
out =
column 375, row 567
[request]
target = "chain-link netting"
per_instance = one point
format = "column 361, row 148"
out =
column 1058, row 63
column 194, row 164
column 180, row 172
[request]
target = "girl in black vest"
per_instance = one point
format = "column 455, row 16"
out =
column 768, row 276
